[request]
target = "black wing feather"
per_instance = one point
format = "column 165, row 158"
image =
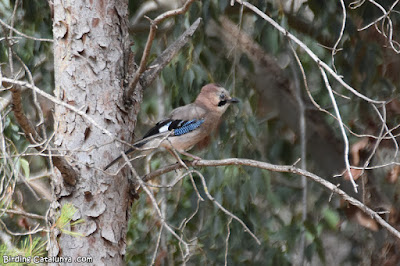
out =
column 181, row 127
column 156, row 129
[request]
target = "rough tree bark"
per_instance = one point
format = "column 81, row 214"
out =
column 91, row 48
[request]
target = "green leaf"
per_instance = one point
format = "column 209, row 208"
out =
column 72, row 233
column 17, row 166
column 25, row 167
column 331, row 217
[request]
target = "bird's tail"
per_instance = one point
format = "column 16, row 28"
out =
column 135, row 147
column 139, row 146
column 118, row 158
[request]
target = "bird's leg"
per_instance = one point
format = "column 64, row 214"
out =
column 175, row 154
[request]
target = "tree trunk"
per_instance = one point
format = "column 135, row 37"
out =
column 91, row 47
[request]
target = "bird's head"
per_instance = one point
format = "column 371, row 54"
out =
column 215, row 98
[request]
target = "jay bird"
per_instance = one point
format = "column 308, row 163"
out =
column 186, row 125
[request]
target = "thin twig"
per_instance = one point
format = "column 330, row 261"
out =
column 26, row 214
column 24, row 35
column 383, row 18
column 35, row 230
column 334, row 50
column 153, row 260
column 227, row 240
column 143, row 185
column 222, row 208
column 343, row 131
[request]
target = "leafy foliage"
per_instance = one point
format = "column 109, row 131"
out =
column 29, row 248
column 67, row 213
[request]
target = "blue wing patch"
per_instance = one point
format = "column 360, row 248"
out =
column 180, row 127
column 188, row 126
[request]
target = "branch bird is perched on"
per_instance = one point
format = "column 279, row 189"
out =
column 187, row 125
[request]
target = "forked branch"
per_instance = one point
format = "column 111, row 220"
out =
column 147, row 48
column 283, row 169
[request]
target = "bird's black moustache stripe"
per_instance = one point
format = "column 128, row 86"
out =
column 222, row 103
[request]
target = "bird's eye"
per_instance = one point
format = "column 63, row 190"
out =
column 222, row 96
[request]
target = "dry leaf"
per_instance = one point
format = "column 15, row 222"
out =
column 356, row 148
column 365, row 221
column 393, row 175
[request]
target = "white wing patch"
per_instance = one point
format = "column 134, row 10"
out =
column 164, row 128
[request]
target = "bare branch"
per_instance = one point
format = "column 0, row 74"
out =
column 309, row 52
column 283, row 169
column 222, row 208
column 227, row 240
column 153, row 260
column 388, row 34
column 23, row 121
column 152, row 34
column 31, row 232
column 323, row 67
column 334, row 50
column 155, row 205
column 343, row 131
column 66, row 105
column 24, row 35
column 66, row 170
column 152, row 72
column 26, row 214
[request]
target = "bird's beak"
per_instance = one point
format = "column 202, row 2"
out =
column 233, row 100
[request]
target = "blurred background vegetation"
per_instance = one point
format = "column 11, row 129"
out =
column 263, row 73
